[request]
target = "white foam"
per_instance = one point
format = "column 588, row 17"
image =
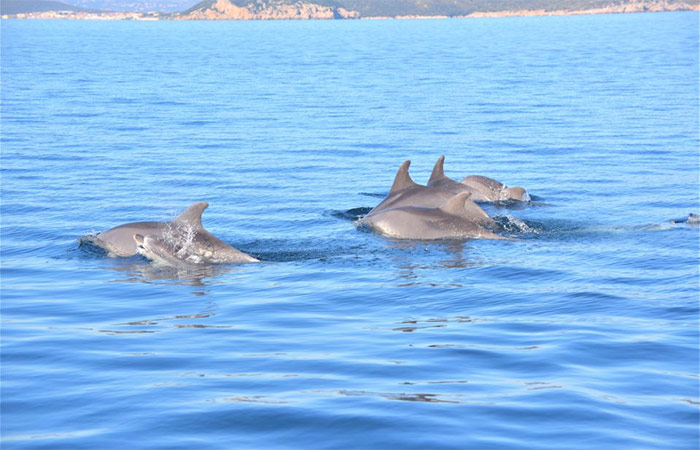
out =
column 520, row 225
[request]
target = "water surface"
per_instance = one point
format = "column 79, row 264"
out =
column 582, row 333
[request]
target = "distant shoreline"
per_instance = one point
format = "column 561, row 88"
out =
column 138, row 16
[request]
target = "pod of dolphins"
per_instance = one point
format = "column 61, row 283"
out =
column 442, row 209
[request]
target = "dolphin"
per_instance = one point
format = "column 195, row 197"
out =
column 494, row 191
column 407, row 193
column 185, row 228
column 454, row 219
column 197, row 248
column 158, row 250
column 483, row 189
column 119, row 241
column 692, row 219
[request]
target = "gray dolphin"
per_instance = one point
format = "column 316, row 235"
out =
column 407, row 193
column 494, row 191
column 190, row 248
column 158, row 250
column 454, row 219
column 692, row 219
column 185, row 228
column 119, row 241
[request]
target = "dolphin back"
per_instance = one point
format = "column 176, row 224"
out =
column 119, row 241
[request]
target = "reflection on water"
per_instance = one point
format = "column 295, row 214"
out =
column 411, row 325
column 135, row 271
column 180, row 321
column 53, row 436
column 295, row 397
column 454, row 246
column 451, row 254
column 405, row 397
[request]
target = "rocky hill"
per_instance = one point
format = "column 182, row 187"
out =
column 264, row 10
column 327, row 9
column 167, row 6
column 23, row 6
column 343, row 9
column 457, row 8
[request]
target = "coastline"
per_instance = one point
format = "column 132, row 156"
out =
column 621, row 9
column 642, row 7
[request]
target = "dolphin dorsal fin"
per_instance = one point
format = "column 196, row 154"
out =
column 455, row 205
column 438, row 171
column 193, row 215
column 403, row 179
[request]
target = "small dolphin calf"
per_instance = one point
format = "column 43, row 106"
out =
column 199, row 248
column 185, row 237
column 158, row 250
column 493, row 191
column 455, row 219
column 405, row 192
column 692, row 219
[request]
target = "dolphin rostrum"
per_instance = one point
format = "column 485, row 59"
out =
column 483, row 189
column 405, row 192
column 186, row 228
column 454, row 219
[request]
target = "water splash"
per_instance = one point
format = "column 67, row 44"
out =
column 181, row 238
column 352, row 214
column 515, row 225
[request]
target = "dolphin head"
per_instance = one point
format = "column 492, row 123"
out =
column 517, row 193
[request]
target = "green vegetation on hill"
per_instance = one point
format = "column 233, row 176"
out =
column 25, row 6
column 391, row 8
column 463, row 7
column 366, row 8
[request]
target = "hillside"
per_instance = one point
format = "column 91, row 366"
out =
column 136, row 5
column 290, row 9
column 25, row 6
column 329, row 9
column 393, row 8
column 264, row 10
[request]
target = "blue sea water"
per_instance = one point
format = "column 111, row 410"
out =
column 581, row 333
